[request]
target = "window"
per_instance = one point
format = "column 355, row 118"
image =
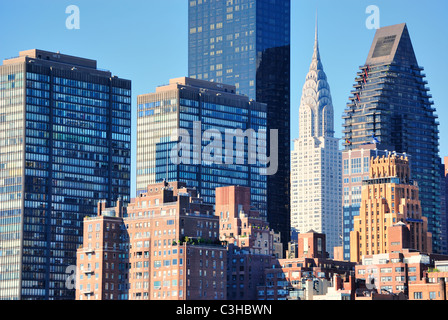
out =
column 418, row 295
column 346, row 167
column 400, row 288
column 356, row 165
column 366, row 164
column 432, row 295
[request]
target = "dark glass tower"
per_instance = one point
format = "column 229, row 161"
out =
column 246, row 43
column 390, row 104
column 65, row 144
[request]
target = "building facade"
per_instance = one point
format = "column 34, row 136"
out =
column 444, row 202
column 104, row 256
column 246, row 43
column 288, row 279
column 388, row 197
column 316, row 176
column 390, row 103
column 170, row 250
column 402, row 271
column 251, row 245
column 183, row 134
column 65, row 128
column 432, row 286
column 356, row 168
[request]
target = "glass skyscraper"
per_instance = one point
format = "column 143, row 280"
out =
column 201, row 111
column 64, row 145
column 390, row 104
column 246, row 43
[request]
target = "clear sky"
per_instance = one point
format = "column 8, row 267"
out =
column 147, row 41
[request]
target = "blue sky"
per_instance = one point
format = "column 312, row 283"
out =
column 147, row 41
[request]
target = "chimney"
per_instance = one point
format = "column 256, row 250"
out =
column 442, row 284
column 337, row 280
column 119, row 209
column 101, row 206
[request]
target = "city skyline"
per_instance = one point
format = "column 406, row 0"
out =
column 74, row 134
column 166, row 53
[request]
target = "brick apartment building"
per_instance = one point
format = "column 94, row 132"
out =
column 287, row 278
column 433, row 284
column 164, row 246
column 251, row 245
column 103, row 258
column 402, row 271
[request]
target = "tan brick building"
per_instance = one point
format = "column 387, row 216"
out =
column 388, row 197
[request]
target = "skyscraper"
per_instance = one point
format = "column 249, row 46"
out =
column 316, row 161
column 390, row 103
column 65, row 144
column 203, row 113
column 246, row 43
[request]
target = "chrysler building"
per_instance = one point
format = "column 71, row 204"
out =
column 316, row 191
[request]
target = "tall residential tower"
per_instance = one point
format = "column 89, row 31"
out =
column 316, row 191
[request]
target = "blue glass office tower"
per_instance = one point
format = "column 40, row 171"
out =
column 246, row 43
column 65, row 144
column 197, row 108
column 390, row 103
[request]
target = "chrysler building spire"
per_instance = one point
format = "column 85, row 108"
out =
column 316, row 108
column 316, row 40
